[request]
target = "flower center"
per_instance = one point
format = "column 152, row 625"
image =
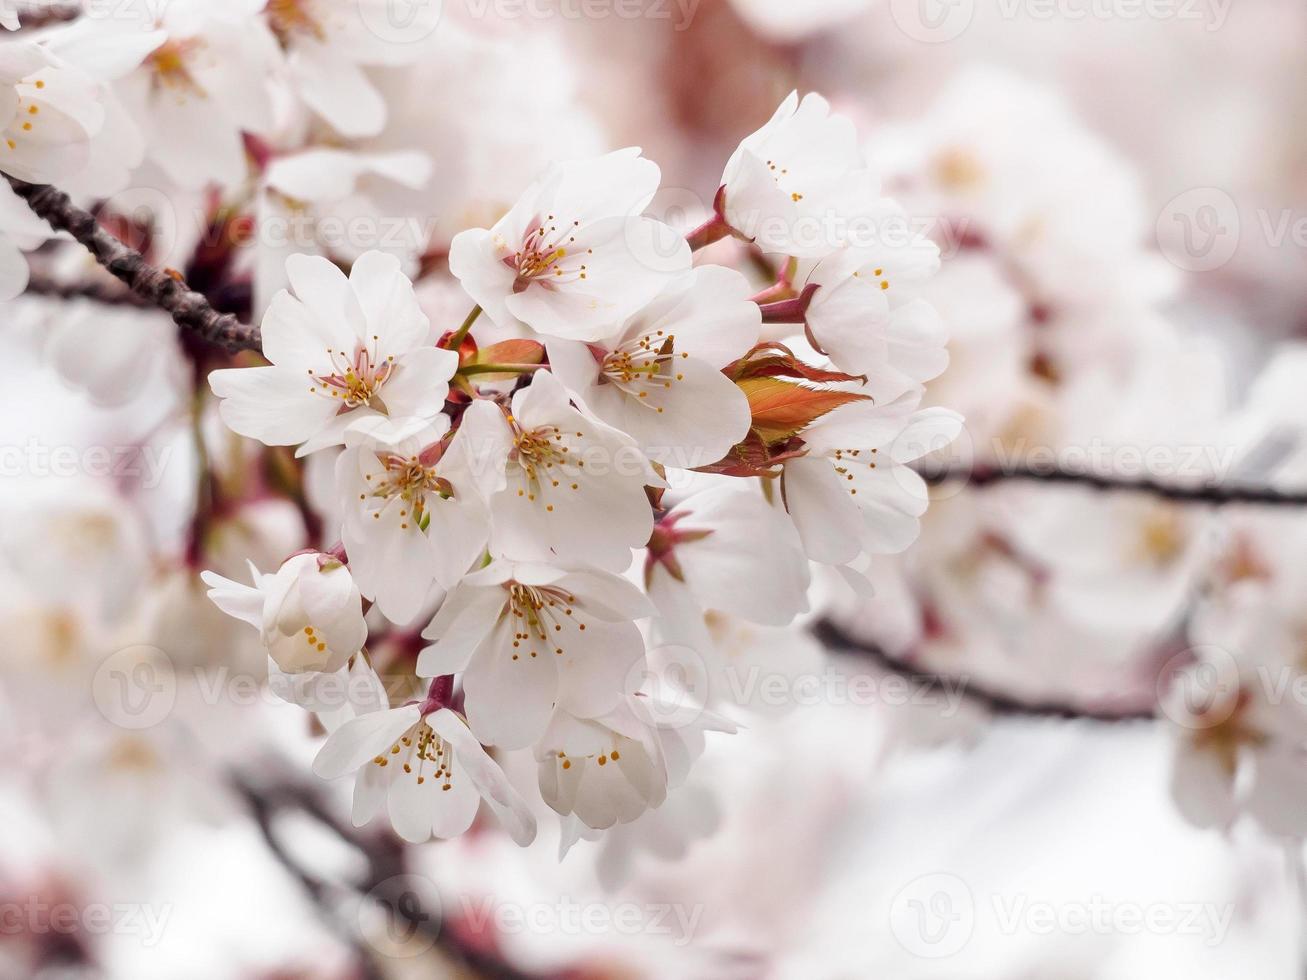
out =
column 355, row 381
column 546, row 257
column 642, row 365
column 421, row 753
column 538, row 613
column 411, row 479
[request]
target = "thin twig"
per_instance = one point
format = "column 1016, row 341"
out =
column 165, row 289
column 835, row 637
column 1208, row 493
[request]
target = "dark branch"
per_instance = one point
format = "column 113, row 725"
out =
column 1208, row 493
column 996, row 702
column 167, row 290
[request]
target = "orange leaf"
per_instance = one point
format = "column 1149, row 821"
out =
column 781, row 408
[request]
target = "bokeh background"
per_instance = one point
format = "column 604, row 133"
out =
column 973, row 774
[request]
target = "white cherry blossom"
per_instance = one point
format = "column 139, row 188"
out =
column 575, row 257
column 659, row 378
column 427, row 770
column 414, row 512
column 573, row 488
column 867, row 317
column 785, row 185
column 49, row 111
column 309, row 613
column 612, row 769
column 527, row 637
column 342, row 350
column 852, row 492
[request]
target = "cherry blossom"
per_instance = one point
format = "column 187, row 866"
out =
column 526, row 636
column 786, row 185
column 614, row 768
column 573, row 487
column 659, row 378
column 427, row 770
column 414, row 510
column 575, row 256
column 308, row 613
column 866, row 315
column 49, row 111
column 342, row 349
column 851, row 491
column 206, row 82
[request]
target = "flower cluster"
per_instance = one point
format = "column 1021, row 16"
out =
column 617, row 440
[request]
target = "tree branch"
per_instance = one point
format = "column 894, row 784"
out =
column 835, row 637
column 165, row 289
column 1209, row 493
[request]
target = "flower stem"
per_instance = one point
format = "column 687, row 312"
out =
column 712, row 230
column 458, row 336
